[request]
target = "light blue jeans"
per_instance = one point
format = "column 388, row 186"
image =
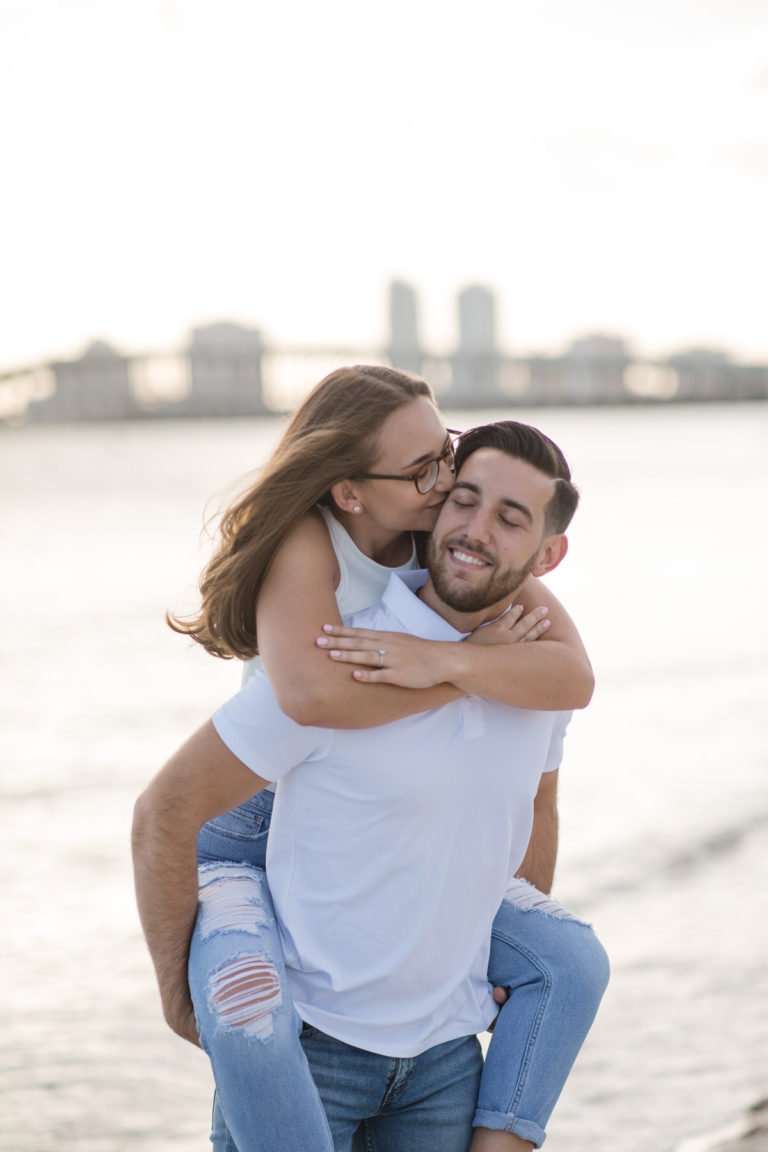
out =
column 272, row 1087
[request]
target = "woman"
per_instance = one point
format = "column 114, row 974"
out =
column 364, row 465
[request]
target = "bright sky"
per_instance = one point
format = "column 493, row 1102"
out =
column 603, row 165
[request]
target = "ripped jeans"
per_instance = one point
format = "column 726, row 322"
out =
column 553, row 965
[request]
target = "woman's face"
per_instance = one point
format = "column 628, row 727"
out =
column 410, row 436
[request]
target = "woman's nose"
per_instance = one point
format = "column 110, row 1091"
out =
column 445, row 477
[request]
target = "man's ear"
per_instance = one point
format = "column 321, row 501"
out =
column 345, row 496
column 553, row 550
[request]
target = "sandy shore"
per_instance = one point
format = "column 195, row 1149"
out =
column 750, row 1134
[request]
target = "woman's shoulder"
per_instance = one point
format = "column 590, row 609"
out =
column 310, row 531
column 309, row 542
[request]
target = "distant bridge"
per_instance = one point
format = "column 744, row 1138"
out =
column 227, row 370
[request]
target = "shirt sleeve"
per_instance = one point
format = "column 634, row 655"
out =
column 555, row 751
column 259, row 733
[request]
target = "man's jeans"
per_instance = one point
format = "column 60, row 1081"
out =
column 553, row 965
column 378, row 1102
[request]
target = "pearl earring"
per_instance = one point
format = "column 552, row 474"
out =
column 356, row 508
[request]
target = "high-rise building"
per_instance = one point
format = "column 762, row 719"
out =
column 475, row 364
column 404, row 348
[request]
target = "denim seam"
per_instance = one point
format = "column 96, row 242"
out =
column 398, row 1082
column 536, row 1025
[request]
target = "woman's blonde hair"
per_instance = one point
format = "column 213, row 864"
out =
column 331, row 436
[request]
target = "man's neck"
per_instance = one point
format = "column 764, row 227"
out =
column 463, row 621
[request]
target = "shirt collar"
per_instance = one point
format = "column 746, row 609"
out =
column 417, row 617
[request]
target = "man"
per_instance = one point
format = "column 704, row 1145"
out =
column 391, row 848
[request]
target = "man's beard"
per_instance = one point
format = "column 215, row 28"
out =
column 473, row 597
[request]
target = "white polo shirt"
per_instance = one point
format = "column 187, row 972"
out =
column 391, row 847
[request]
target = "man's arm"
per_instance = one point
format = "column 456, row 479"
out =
column 538, row 865
column 200, row 781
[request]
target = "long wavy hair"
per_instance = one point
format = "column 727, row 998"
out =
column 333, row 435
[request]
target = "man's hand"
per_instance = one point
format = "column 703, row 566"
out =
column 180, row 1018
column 512, row 628
column 500, row 995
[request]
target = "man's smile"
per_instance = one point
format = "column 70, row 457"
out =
column 473, row 558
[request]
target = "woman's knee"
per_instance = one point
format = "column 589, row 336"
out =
column 534, row 932
column 244, row 994
column 236, row 970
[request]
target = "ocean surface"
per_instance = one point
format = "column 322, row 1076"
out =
column 664, row 801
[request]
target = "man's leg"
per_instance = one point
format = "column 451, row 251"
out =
column 351, row 1083
column 430, row 1105
column 416, row 1104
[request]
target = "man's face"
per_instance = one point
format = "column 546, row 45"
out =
column 490, row 531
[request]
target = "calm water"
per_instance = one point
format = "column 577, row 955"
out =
column 664, row 799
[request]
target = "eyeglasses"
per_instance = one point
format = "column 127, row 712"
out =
column 426, row 476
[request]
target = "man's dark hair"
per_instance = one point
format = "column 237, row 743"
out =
column 524, row 442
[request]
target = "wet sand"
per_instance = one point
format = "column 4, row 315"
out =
column 749, row 1134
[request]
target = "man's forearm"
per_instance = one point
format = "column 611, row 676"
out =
column 538, row 865
column 201, row 780
column 166, row 892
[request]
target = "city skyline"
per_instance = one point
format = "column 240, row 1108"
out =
column 227, row 369
column 457, row 334
column 600, row 167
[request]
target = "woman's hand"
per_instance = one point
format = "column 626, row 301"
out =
column 410, row 662
column 388, row 657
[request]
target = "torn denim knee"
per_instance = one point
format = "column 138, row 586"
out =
column 524, row 896
column 244, row 991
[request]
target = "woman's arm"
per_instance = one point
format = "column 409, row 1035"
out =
column 552, row 674
column 296, row 598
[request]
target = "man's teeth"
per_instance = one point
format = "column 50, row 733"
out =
column 466, row 559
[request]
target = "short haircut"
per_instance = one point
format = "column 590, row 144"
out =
column 524, row 442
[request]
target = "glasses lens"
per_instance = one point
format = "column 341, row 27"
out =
column 426, row 476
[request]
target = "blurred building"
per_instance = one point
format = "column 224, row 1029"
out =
column 475, row 363
column 594, row 368
column 711, row 374
column 225, row 371
column 97, row 386
column 701, row 373
column 404, row 348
